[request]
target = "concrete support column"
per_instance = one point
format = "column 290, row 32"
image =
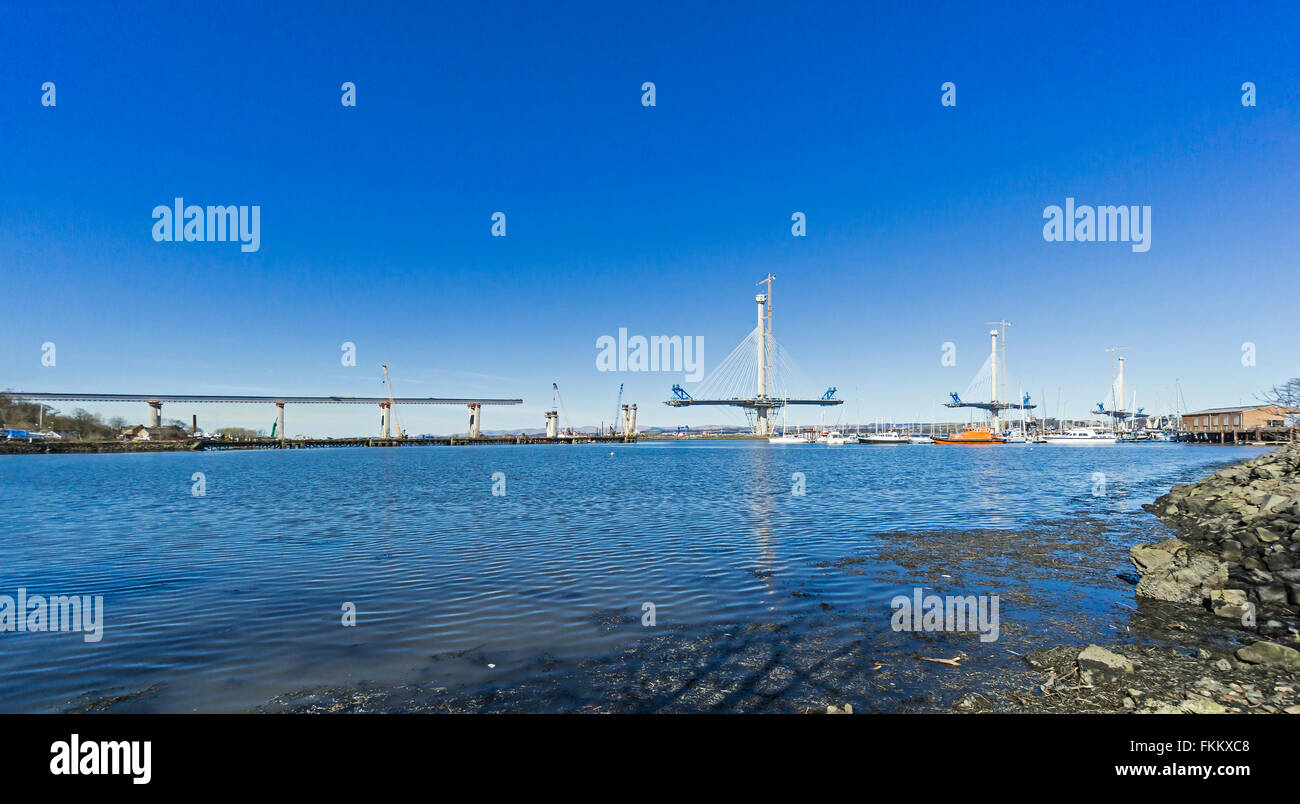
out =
column 762, row 425
column 155, row 414
column 475, row 412
column 625, row 420
column 279, row 419
column 632, row 421
column 552, row 423
column 384, row 429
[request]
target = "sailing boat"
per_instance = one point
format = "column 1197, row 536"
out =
column 887, row 437
column 1020, row 436
column 919, row 437
column 785, row 437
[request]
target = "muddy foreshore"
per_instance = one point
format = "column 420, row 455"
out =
column 1225, row 590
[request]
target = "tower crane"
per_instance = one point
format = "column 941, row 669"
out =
column 559, row 402
column 392, row 406
column 618, row 409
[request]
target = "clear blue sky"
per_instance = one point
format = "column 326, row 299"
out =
column 923, row 221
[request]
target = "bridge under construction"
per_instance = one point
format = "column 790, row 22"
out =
column 989, row 373
column 385, row 403
column 756, row 386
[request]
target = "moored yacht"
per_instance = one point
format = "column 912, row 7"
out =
column 1082, row 436
column 887, row 437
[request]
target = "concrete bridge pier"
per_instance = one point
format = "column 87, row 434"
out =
column 384, row 429
column 631, row 421
column 475, row 412
column 279, row 419
column 552, row 423
column 155, row 414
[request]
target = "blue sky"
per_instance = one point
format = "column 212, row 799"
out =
column 923, row 221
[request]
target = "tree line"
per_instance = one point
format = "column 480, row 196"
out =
column 37, row 416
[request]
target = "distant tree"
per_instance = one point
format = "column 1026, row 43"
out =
column 1287, row 394
column 84, row 422
column 117, row 423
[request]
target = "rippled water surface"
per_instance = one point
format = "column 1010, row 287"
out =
column 224, row 601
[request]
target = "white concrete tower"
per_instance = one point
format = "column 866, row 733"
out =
column 1119, row 387
column 763, row 424
column 631, row 420
column 997, row 427
column 552, row 423
column 475, row 412
column 384, row 429
column 279, row 420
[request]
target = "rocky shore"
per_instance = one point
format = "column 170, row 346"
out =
column 1223, row 596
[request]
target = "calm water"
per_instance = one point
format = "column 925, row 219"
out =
column 223, row 601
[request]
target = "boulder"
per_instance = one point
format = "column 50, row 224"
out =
column 1172, row 570
column 1096, row 664
column 1229, row 603
column 1271, row 654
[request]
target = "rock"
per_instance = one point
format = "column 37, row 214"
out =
column 1271, row 654
column 835, row 710
column 1096, row 664
column 1275, row 594
column 1223, row 665
column 1292, row 710
column 1171, row 570
column 1230, row 603
column 1196, row 705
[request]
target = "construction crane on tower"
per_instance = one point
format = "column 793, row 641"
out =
column 559, row 403
column 618, row 411
column 392, row 405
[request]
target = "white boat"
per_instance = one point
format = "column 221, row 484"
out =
column 1082, row 436
column 919, row 439
column 1017, row 437
column 833, row 438
column 887, row 437
column 786, row 439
